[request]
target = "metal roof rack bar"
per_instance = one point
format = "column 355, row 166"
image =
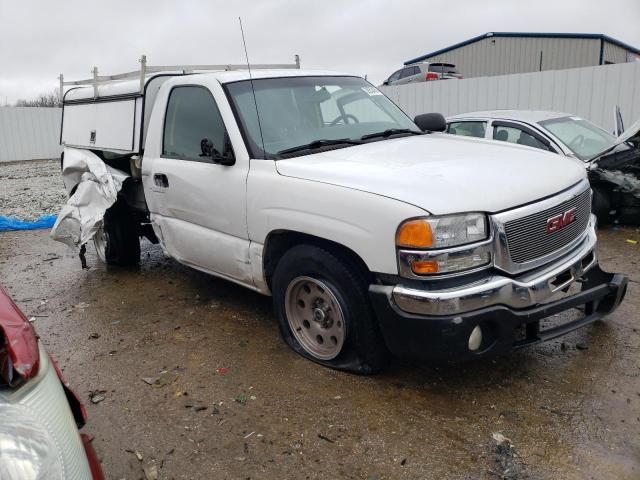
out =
column 147, row 69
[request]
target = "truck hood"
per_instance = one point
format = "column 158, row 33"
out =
column 441, row 173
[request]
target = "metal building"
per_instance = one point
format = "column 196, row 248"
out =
column 29, row 133
column 504, row 53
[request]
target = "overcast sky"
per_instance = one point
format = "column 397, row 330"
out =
column 41, row 38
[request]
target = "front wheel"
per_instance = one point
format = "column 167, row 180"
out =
column 323, row 310
column 315, row 317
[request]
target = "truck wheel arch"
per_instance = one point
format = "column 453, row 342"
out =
column 279, row 242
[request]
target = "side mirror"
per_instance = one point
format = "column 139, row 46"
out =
column 431, row 122
column 386, row 82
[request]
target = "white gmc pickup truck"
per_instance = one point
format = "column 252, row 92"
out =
column 372, row 232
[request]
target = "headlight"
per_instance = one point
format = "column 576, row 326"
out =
column 27, row 450
column 442, row 232
column 446, row 244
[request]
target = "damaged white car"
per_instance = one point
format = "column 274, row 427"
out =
column 613, row 163
column 371, row 232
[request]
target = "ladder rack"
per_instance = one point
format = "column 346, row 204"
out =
column 147, row 69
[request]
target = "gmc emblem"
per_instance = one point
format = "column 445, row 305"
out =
column 558, row 222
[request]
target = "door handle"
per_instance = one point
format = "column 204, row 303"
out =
column 161, row 180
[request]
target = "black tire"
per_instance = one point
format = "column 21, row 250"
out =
column 122, row 238
column 601, row 206
column 363, row 351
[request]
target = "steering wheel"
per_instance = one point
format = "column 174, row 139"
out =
column 576, row 141
column 344, row 118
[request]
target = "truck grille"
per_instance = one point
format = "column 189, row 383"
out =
column 528, row 239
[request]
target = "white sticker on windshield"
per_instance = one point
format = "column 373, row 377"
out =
column 371, row 91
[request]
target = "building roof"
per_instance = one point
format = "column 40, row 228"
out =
column 588, row 36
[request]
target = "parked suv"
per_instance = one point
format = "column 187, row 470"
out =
column 370, row 232
column 423, row 72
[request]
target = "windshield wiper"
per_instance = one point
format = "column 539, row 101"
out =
column 319, row 144
column 391, row 131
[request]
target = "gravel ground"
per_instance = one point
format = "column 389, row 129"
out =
column 30, row 189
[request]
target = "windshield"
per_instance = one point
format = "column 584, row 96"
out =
column 583, row 138
column 298, row 111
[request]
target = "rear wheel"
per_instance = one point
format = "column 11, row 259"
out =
column 323, row 310
column 100, row 241
column 117, row 241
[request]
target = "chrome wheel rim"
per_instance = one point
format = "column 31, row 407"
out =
column 100, row 240
column 315, row 317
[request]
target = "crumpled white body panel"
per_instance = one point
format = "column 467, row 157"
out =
column 97, row 189
column 627, row 182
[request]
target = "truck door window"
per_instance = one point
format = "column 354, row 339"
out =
column 518, row 136
column 192, row 116
column 467, row 129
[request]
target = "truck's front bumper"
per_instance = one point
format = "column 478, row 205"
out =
column 438, row 323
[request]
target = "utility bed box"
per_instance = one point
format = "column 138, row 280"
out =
column 115, row 120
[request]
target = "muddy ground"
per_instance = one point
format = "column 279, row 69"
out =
column 198, row 382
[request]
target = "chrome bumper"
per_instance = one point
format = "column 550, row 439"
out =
column 532, row 288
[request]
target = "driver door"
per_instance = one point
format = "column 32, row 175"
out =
column 198, row 204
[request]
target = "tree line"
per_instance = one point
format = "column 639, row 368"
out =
column 48, row 100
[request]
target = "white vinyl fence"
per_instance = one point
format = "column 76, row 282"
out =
column 29, row 133
column 591, row 93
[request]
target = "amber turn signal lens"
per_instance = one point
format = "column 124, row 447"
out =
column 424, row 268
column 415, row 233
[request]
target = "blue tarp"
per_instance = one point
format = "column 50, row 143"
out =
column 9, row 223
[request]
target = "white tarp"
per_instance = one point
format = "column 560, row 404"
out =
column 97, row 189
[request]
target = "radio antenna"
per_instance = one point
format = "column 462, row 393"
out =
column 253, row 90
